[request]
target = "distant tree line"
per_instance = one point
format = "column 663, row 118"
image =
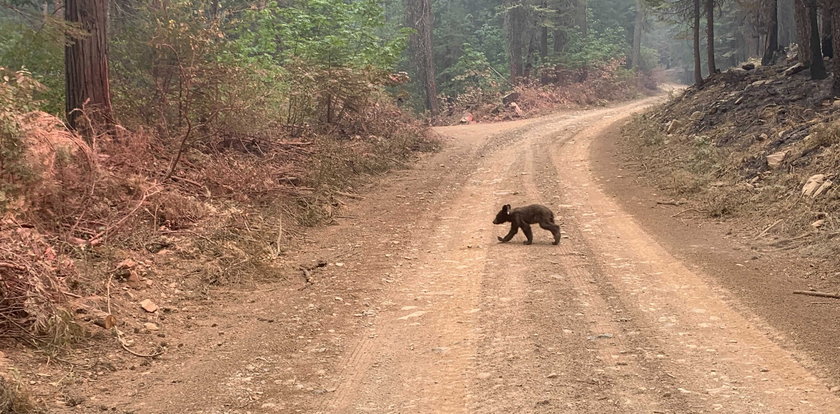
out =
column 760, row 28
column 172, row 55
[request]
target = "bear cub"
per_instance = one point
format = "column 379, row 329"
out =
column 523, row 217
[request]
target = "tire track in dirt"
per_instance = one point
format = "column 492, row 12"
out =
column 418, row 356
column 429, row 314
column 543, row 351
column 383, row 372
column 718, row 358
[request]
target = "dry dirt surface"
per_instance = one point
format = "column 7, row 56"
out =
column 421, row 310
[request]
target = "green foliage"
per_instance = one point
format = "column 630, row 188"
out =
column 186, row 77
column 649, row 59
column 39, row 51
column 17, row 90
column 471, row 71
column 600, row 45
column 232, row 71
column 332, row 33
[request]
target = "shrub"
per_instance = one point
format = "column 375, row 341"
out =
column 16, row 98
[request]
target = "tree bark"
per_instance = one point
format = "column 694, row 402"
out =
column 772, row 33
column 581, row 20
column 516, row 18
column 87, row 84
column 835, row 37
column 817, row 65
column 803, row 31
column 420, row 18
column 698, row 68
column 787, row 23
column 543, row 33
column 636, row 56
column 563, row 24
column 827, row 29
column 710, row 36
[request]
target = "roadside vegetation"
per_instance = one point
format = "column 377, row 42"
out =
column 161, row 149
column 769, row 161
column 758, row 143
column 164, row 148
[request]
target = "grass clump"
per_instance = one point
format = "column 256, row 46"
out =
column 14, row 398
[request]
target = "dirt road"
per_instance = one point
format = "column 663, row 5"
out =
column 422, row 311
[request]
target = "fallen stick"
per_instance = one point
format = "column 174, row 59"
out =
column 307, row 272
column 686, row 211
column 819, row 294
column 298, row 143
column 117, row 332
column 768, row 228
column 792, row 239
column 348, row 195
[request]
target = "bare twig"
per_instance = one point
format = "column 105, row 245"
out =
column 768, row 228
column 117, row 331
column 72, row 295
column 686, row 211
column 307, row 272
column 348, row 195
column 792, row 239
column 276, row 249
column 137, row 354
column 818, row 294
column 104, row 233
column 181, row 148
column 12, row 266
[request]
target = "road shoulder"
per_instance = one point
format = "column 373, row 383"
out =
column 758, row 281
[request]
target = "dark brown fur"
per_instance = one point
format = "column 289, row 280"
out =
column 523, row 217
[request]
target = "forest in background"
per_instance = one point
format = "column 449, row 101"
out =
column 125, row 123
column 217, row 129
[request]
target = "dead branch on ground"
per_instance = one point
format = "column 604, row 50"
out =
column 818, row 294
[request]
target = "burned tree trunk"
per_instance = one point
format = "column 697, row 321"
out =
column 835, row 37
column 710, row 36
column 817, row 65
column 698, row 68
column 86, row 77
column 827, row 28
column 772, row 46
column 420, row 18
column 803, row 31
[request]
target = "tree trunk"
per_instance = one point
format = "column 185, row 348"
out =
column 563, row 23
column 817, row 64
column 560, row 40
column 698, row 68
column 772, row 34
column 516, row 19
column 710, row 36
column 580, row 16
column 420, row 18
column 827, row 29
column 803, row 31
column 543, row 41
column 636, row 56
column 543, row 32
column 86, row 68
column 787, row 23
column 835, row 37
